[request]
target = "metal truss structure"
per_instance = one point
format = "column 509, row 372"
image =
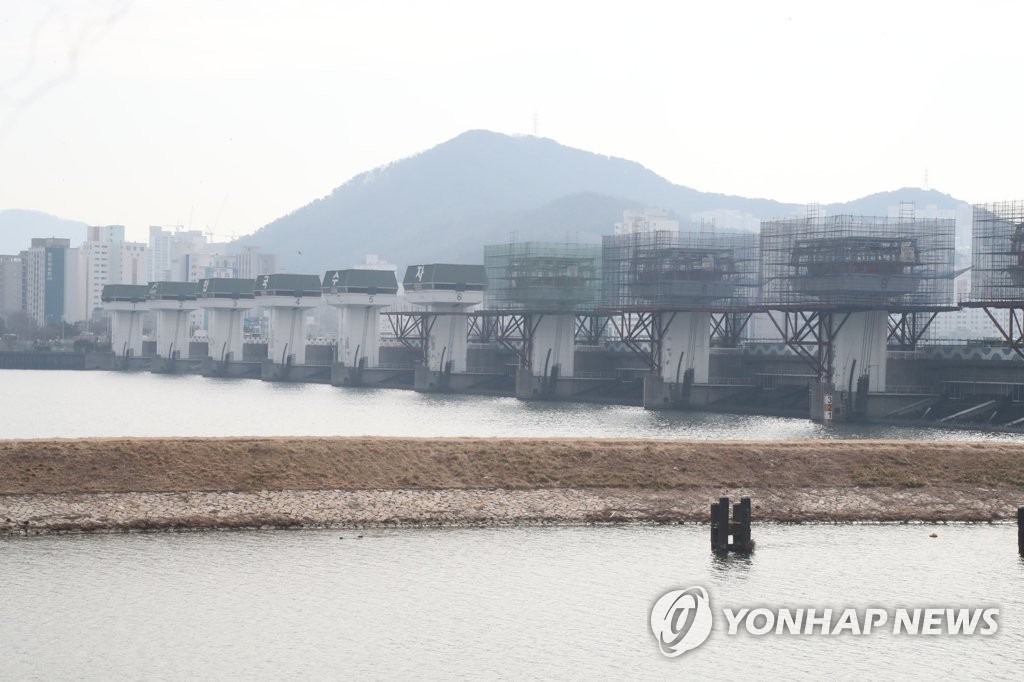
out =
column 810, row 334
column 906, row 329
column 727, row 328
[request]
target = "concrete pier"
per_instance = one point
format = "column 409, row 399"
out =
column 686, row 346
column 552, row 353
column 288, row 298
column 549, row 282
column 447, row 292
column 126, row 304
column 226, row 302
column 359, row 296
column 859, row 349
column 171, row 303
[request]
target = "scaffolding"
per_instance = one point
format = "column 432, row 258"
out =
column 997, row 272
column 669, row 270
column 543, row 276
column 857, row 262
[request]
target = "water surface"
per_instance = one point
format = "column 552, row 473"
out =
column 37, row 404
column 555, row 603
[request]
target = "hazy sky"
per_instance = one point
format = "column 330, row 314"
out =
column 236, row 112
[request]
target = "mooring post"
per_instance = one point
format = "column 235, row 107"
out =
column 738, row 530
column 741, row 526
column 1020, row 530
column 714, row 526
column 723, row 523
column 720, row 526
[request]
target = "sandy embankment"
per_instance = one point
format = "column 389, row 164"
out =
column 125, row 484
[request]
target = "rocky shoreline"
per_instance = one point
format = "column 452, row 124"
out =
column 156, row 484
column 39, row 514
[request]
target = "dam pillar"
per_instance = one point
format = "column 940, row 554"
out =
column 859, row 349
column 172, row 331
column 288, row 299
column 126, row 332
column 553, row 349
column 359, row 296
column 447, row 340
column 226, row 301
column 171, row 303
column 126, row 304
column 686, row 345
column 549, row 283
column 448, row 292
column 286, row 343
column 225, row 333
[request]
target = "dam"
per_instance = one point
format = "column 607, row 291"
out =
column 657, row 318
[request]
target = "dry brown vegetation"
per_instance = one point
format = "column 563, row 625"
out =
column 249, row 464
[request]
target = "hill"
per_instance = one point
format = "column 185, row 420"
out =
column 447, row 202
column 18, row 227
column 483, row 187
column 880, row 202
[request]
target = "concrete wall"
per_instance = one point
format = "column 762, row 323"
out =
column 254, row 352
column 319, row 355
column 197, row 350
column 398, row 356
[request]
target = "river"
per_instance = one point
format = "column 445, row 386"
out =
column 66, row 404
column 540, row 602
column 555, row 603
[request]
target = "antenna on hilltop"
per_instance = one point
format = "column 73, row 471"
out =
column 536, row 126
column 925, row 179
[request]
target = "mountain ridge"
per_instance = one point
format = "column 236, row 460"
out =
column 482, row 187
column 445, row 203
column 19, row 226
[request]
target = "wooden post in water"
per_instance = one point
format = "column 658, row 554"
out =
column 740, row 526
column 714, row 527
column 1020, row 530
column 722, row 530
column 720, row 526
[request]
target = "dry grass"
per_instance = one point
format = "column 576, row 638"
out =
column 247, row 464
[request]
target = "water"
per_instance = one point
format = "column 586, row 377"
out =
column 36, row 404
column 564, row 603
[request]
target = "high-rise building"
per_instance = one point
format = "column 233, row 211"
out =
column 106, row 258
column 186, row 247
column 105, row 233
column 251, row 262
column 49, row 275
column 10, row 285
column 159, row 254
column 188, row 256
column 134, row 263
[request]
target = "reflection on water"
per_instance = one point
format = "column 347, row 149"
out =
column 78, row 404
column 564, row 603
